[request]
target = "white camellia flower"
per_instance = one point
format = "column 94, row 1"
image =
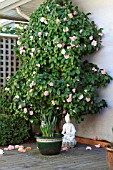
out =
column 63, row 51
column 17, row 97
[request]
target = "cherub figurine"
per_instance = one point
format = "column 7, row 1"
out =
column 68, row 131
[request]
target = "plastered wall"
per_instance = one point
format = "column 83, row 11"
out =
column 100, row 125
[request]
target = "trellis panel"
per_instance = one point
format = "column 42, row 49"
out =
column 8, row 61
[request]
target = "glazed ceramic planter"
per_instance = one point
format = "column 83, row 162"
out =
column 109, row 155
column 49, row 145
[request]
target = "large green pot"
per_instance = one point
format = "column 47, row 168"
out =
column 49, row 145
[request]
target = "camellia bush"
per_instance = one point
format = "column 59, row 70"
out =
column 54, row 77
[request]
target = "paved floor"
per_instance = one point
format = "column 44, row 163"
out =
column 77, row 158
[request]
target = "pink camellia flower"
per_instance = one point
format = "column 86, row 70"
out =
column 42, row 19
column 69, row 100
column 46, row 34
column 63, row 51
column 68, row 85
column 74, row 90
column 70, row 95
column 51, row 84
column 34, row 83
column 103, row 71
column 33, row 49
column 101, row 34
column 18, row 42
column 39, row 34
column 81, row 97
column 85, row 91
column 38, row 51
column 73, row 45
column 80, row 31
column 66, row 56
column 31, row 91
column 88, row 99
column 38, row 65
column 25, row 110
column 66, row 29
column 75, row 13
column 59, row 45
column 91, row 37
column 63, row 44
column 95, row 26
column 31, row 85
column 64, row 111
column 22, row 50
column 7, row 78
column 53, row 102
column 57, row 21
column 94, row 43
column 73, row 38
column 69, row 47
column 65, row 19
column 31, row 54
column 31, row 112
column 70, row 15
column 45, row 22
column 94, row 69
column 20, row 106
column 46, row 93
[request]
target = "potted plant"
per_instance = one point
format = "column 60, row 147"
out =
column 109, row 154
column 49, row 143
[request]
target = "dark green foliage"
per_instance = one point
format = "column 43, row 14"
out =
column 13, row 130
column 54, row 77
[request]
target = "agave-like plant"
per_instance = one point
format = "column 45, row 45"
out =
column 48, row 125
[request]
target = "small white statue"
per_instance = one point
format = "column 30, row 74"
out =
column 68, row 131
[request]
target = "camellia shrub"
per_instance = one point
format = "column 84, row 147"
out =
column 54, row 77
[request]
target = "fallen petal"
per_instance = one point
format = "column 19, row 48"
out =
column 97, row 146
column 1, row 152
column 88, row 148
column 6, row 149
column 28, row 148
column 17, row 146
column 65, row 149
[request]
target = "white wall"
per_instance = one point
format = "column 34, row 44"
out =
column 101, row 124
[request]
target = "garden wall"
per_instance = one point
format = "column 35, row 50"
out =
column 101, row 124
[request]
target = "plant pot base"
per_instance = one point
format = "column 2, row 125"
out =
column 49, row 146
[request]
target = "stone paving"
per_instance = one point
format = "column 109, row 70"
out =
column 77, row 158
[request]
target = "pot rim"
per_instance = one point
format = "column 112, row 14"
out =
column 56, row 136
column 107, row 147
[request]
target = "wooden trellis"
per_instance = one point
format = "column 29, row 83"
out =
column 8, row 62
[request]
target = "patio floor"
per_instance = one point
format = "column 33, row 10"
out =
column 77, row 158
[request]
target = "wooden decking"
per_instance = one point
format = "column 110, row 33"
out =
column 77, row 158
